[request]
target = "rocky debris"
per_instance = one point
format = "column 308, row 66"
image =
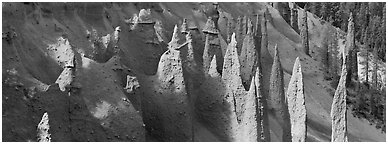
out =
column 262, row 108
column 43, row 129
column 210, row 27
column 144, row 17
column 294, row 17
column 248, row 57
column 338, row 109
column 184, row 27
column 132, row 84
column 296, row 104
column 304, row 32
column 277, row 97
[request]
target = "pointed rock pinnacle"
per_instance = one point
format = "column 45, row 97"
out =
column 173, row 44
column 296, row 104
column 210, row 27
column 43, row 129
column 338, row 109
column 184, row 27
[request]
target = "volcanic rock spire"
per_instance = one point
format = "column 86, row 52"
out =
column 296, row 104
column 262, row 108
column 277, row 96
column 43, row 129
column 294, row 17
column 304, row 32
column 212, row 46
column 210, row 27
column 338, row 109
column 184, row 27
column 248, row 56
column 173, row 44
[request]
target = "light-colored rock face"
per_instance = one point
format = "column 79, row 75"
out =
column 173, row 44
column 262, row 109
column 210, row 27
column 184, row 27
column 65, row 78
column 296, row 104
column 61, row 52
column 338, row 110
column 277, row 97
column 43, row 129
column 132, row 84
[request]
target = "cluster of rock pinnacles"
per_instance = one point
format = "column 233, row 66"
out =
column 231, row 80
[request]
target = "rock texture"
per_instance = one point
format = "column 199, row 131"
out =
column 296, row 104
column 277, row 97
column 262, row 108
column 166, row 107
column 43, row 129
column 338, row 110
column 294, row 17
column 304, row 32
column 212, row 47
column 248, row 56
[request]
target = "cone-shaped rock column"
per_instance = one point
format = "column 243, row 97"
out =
column 296, row 104
column 244, row 120
column 173, row 44
column 338, row 109
column 294, row 17
column 248, row 56
column 43, row 129
column 304, row 32
column 262, row 109
column 212, row 46
column 277, row 96
column 248, row 128
column 176, row 122
column 184, row 27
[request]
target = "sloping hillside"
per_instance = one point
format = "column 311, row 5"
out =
column 90, row 50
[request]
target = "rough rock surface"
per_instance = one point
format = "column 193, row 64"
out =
column 43, row 129
column 277, row 97
column 296, row 104
column 262, row 108
column 132, row 84
column 184, row 27
column 338, row 109
column 65, row 78
column 175, row 124
column 304, row 32
column 173, row 44
column 210, row 27
column 248, row 57
column 294, row 17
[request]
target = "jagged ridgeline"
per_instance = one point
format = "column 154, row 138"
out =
column 179, row 72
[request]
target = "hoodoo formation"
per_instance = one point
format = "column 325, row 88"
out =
column 296, row 104
column 193, row 72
